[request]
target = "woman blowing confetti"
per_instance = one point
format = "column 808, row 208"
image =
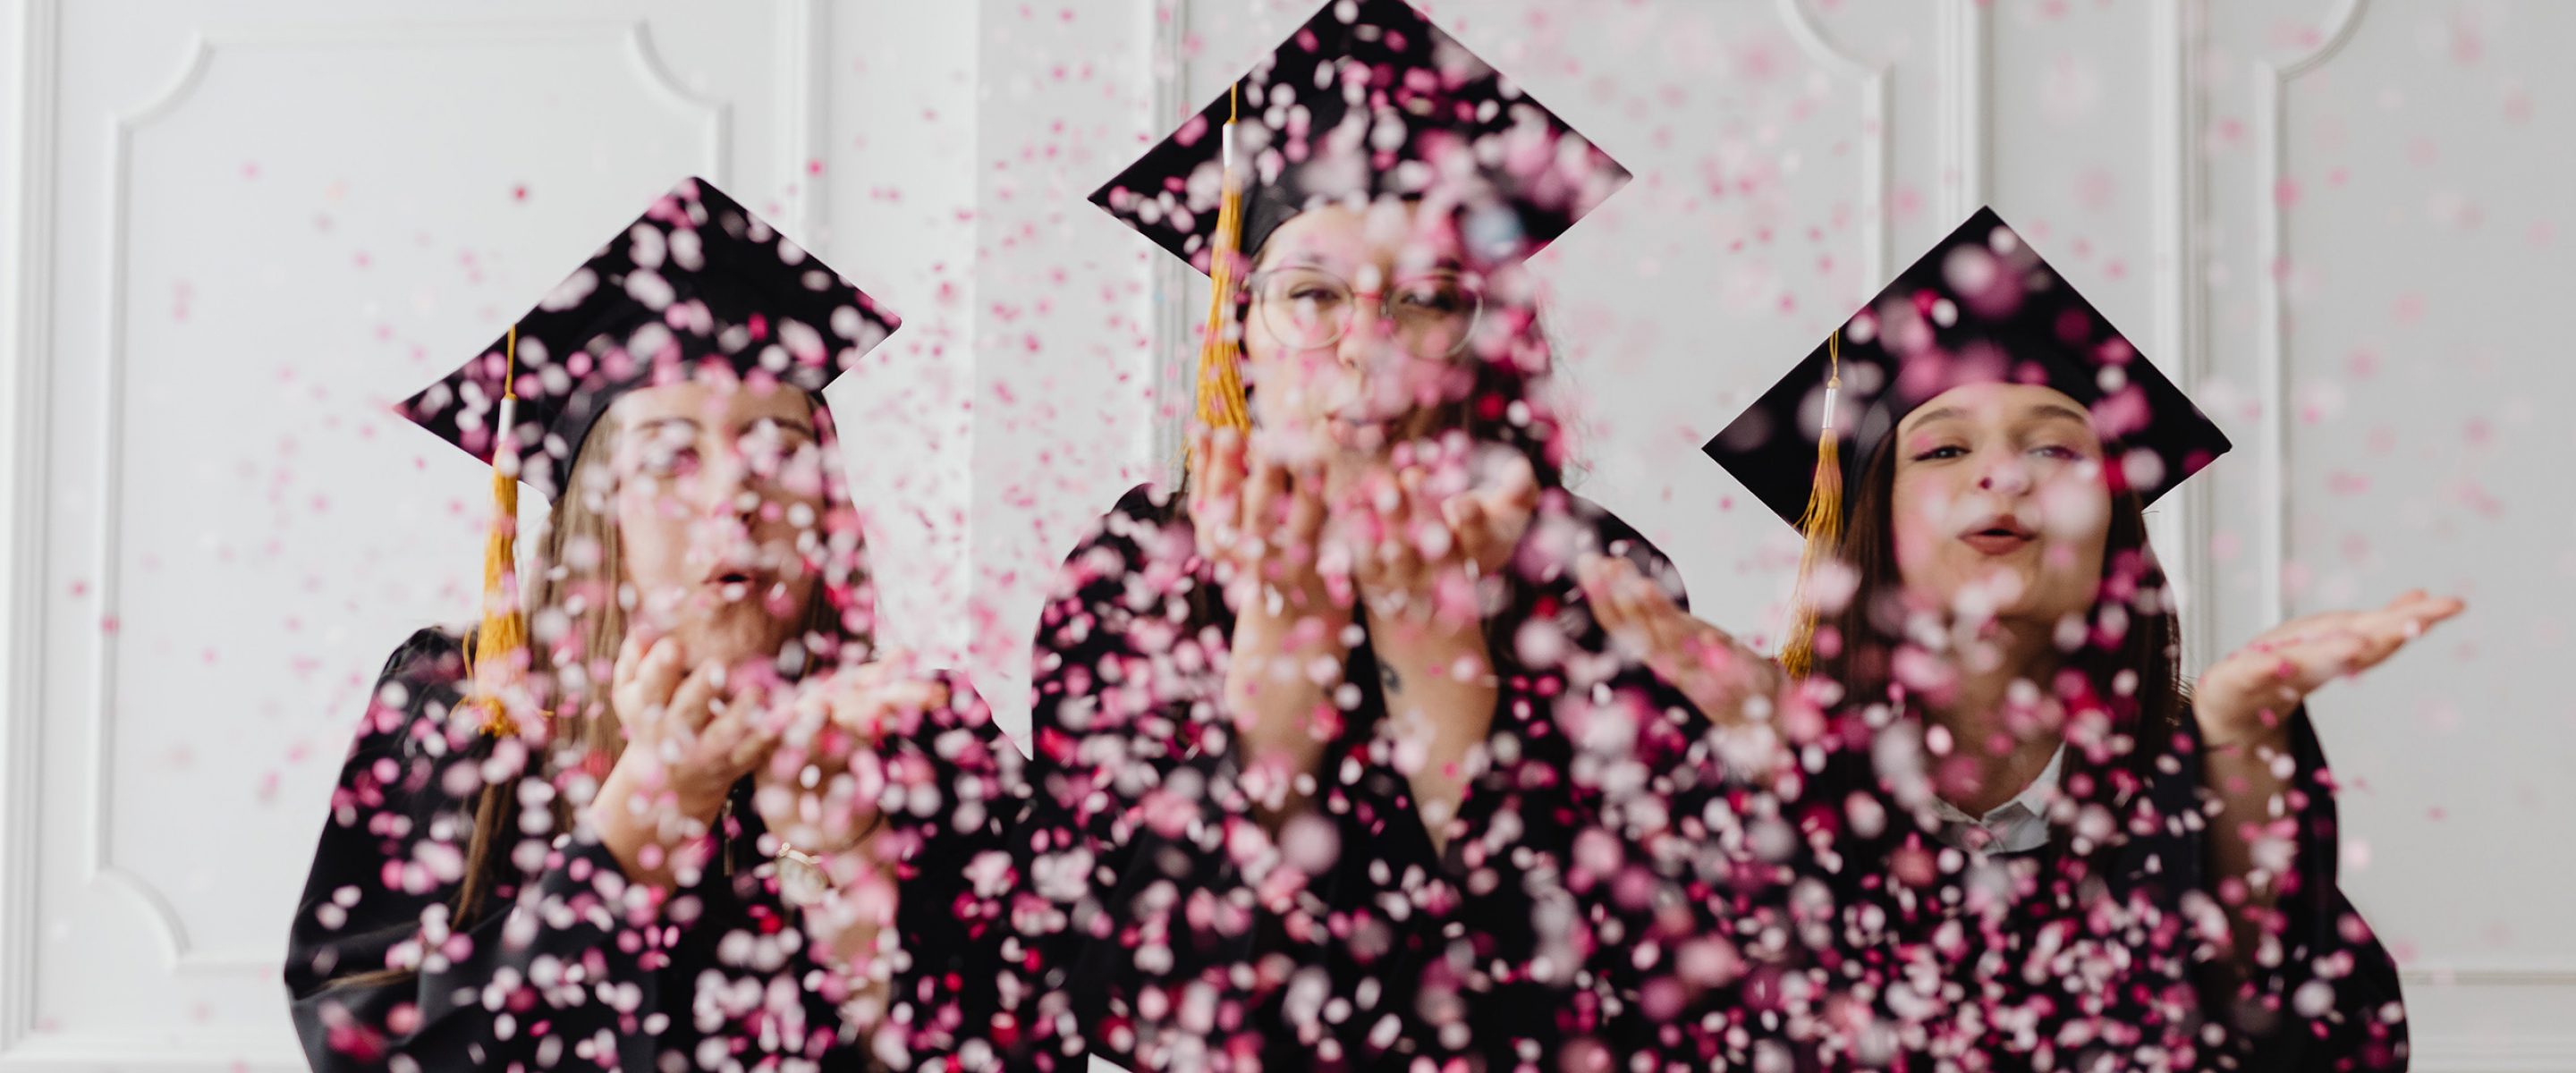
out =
column 683, row 808
column 1329, row 768
column 2042, row 851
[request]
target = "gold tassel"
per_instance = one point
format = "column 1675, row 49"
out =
column 1221, row 401
column 501, row 643
column 1822, row 522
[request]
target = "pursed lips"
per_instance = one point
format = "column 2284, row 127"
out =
column 1999, row 535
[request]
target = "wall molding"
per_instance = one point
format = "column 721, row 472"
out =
column 2272, row 79
column 1175, row 372
column 2177, row 188
column 2481, row 1054
column 1963, row 39
column 1874, row 148
column 805, row 107
column 236, row 1051
column 713, row 121
column 714, row 115
column 2495, row 972
column 26, row 315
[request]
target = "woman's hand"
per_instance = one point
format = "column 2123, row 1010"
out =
column 1258, row 520
column 1418, row 542
column 1421, row 541
column 688, row 740
column 2244, row 704
column 1734, row 686
column 2246, row 699
column 820, row 789
column 821, row 794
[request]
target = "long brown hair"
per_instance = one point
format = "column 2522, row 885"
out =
column 2130, row 663
column 577, row 614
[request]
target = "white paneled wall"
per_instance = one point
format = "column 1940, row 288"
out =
column 2388, row 238
column 234, row 230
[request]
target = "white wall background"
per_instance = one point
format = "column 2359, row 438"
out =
column 233, row 231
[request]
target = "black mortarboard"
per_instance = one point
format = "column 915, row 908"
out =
column 696, row 277
column 1981, row 306
column 1369, row 98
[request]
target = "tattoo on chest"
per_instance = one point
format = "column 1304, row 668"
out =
column 1386, row 676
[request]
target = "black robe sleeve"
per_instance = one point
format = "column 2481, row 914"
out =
column 1127, row 650
column 542, row 976
column 2333, row 1004
column 567, row 966
column 1596, row 839
column 961, row 801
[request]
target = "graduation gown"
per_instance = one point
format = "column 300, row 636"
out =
column 1151, row 935
column 2089, row 952
column 559, row 970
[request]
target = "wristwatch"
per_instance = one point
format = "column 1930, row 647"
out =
column 801, row 879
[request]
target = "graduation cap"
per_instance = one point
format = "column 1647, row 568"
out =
column 697, row 280
column 1981, row 306
column 1368, row 99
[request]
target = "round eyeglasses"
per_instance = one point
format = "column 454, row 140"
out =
column 1309, row 308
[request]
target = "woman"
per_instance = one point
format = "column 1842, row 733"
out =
column 2043, row 851
column 1327, row 770
column 695, row 852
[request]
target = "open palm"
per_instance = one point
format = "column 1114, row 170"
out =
column 2248, row 695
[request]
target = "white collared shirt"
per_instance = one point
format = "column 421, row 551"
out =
column 2016, row 826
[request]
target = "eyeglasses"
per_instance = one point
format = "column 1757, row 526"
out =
column 1309, row 308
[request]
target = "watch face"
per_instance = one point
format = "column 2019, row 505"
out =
column 800, row 882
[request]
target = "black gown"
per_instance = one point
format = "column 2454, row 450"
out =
column 1150, row 938
column 554, row 973
column 2087, row 952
